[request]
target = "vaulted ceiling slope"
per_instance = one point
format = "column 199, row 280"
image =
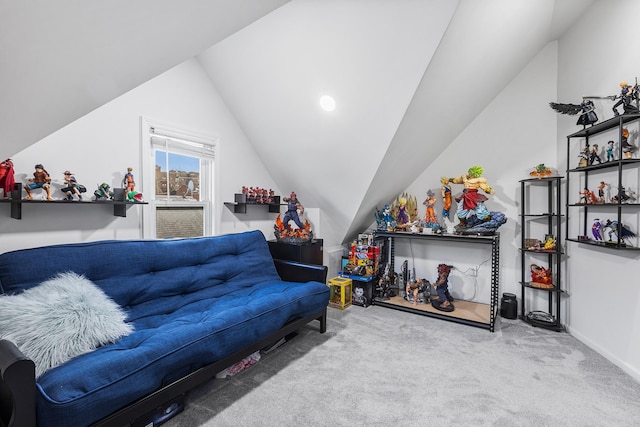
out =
column 61, row 60
column 407, row 77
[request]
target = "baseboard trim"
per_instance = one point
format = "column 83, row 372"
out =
column 634, row 371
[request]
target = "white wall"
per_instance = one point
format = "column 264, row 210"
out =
column 101, row 145
column 515, row 132
column 604, row 296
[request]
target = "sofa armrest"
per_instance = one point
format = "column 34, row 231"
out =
column 17, row 387
column 291, row 271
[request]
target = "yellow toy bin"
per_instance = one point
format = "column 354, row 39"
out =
column 340, row 296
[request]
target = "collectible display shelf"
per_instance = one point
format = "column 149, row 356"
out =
column 119, row 206
column 239, row 205
column 587, row 211
column 466, row 312
column 552, row 225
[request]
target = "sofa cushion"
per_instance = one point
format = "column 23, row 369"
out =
column 62, row 318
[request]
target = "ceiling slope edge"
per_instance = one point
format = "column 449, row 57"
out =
column 464, row 76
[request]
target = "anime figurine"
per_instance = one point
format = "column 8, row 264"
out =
column 628, row 94
column 621, row 231
column 385, row 289
column 72, row 186
column 471, row 200
column 594, row 155
column 402, row 211
column 587, row 197
column 128, row 182
column 584, row 157
column 7, row 179
column 41, row 179
column 294, row 208
column 445, row 192
column 596, row 230
column 541, row 277
column 415, row 288
column 134, row 196
column 103, row 192
column 586, row 109
column 601, row 192
column 623, row 197
column 442, row 289
column 627, row 148
column 430, row 215
column 609, row 151
column 549, row 243
column 541, row 171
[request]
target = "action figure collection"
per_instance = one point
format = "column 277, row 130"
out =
column 41, row 182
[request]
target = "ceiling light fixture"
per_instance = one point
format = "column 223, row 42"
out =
column 327, row 103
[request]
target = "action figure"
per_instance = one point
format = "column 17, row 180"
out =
column 620, row 230
column 601, row 192
column 72, row 186
column 416, row 287
column 584, row 156
column 385, row 289
column 293, row 206
column 610, row 149
column 596, row 230
column 541, row 277
column 402, row 211
column 7, row 180
column 103, row 192
column 586, row 109
column 594, row 155
column 128, row 182
column 41, row 179
column 430, row 215
column 445, row 191
column 587, row 197
column 622, row 196
column 627, row 148
column 442, row 288
column 470, row 198
column 628, row 94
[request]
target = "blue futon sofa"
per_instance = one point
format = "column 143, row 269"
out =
column 189, row 309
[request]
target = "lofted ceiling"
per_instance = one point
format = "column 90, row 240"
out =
column 407, row 77
column 62, row 60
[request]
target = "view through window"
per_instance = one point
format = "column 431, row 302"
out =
column 183, row 185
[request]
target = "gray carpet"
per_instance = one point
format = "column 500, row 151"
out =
column 382, row 367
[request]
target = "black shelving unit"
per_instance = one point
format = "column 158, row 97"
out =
column 551, row 222
column 239, row 205
column 120, row 205
column 585, row 212
column 489, row 311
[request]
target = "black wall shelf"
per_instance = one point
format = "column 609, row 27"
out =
column 239, row 206
column 120, row 205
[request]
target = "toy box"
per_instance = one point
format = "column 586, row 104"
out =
column 341, row 292
column 362, row 289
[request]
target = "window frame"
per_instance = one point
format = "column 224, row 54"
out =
column 181, row 139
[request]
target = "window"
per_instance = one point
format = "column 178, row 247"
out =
column 181, row 204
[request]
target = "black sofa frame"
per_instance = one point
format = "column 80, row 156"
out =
column 17, row 372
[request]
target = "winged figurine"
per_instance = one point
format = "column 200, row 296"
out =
column 586, row 109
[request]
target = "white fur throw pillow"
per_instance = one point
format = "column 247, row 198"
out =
column 61, row 318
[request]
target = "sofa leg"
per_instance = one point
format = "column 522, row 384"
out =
column 323, row 322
